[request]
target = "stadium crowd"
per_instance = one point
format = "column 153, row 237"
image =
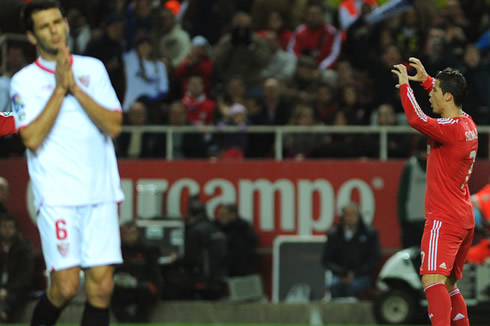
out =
column 275, row 63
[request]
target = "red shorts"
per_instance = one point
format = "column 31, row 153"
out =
column 444, row 248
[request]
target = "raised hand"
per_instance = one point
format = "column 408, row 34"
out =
column 421, row 74
column 401, row 71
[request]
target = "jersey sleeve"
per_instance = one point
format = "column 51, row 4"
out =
column 103, row 92
column 25, row 106
column 7, row 123
column 437, row 129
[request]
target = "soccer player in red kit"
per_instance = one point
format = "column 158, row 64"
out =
column 452, row 146
column 7, row 123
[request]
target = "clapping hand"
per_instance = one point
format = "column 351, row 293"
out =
column 63, row 73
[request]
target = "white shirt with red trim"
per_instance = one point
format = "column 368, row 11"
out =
column 76, row 163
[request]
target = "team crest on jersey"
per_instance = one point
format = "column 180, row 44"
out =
column 84, row 80
column 17, row 103
column 63, row 248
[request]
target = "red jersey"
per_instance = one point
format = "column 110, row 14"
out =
column 199, row 110
column 452, row 147
column 322, row 43
column 7, row 123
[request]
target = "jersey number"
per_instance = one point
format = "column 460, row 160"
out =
column 60, row 230
column 473, row 157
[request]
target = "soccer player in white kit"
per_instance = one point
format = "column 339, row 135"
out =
column 66, row 112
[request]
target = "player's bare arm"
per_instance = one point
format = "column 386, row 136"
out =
column 108, row 121
column 421, row 75
column 34, row 134
column 401, row 71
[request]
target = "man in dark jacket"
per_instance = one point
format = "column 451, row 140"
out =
column 200, row 273
column 352, row 254
column 242, row 242
column 16, row 264
column 137, row 280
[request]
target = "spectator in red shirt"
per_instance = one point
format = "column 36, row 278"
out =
column 196, row 63
column 316, row 38
column 199, row 108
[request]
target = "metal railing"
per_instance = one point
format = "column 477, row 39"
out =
column 280, row 131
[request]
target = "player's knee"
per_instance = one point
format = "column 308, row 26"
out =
column 429, row 279
column 100, row 287
column 64, row 291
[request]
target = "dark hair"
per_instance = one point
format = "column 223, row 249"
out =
column 7, row 217
column 35, row 6
column 452, row 81
column 231, row 207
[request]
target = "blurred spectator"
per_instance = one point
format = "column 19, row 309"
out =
column 137, row 280
column 398, row 144
column 341, row 145
column 209, row 18
column 4, row 195
column 351, row 10
column 411, row 196
column 197, row 62
column 437, row 53
column 200, row 108
column 483, row 43
column 234, row 93
column 352, row 254
column 302, row 86
column 316, row 38
column 139, row 145
column 16, row 265
column 292, row 12
column 350, row 101
column 145, row 75
column 139, row 20
column 325, row 104
column 282, row 65
column 171, row 41
column 109, row 48
column 410, row 36
column 15, row 60
column 477, row 74
column 234, row 145
column 303, row 145
column 185, row 145
column 276, row 24
column 275, row 109
column 241, row 240
column 241, row 53
column 199, row 275
column 80, row 33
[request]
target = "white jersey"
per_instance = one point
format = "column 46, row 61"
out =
column 76, row 162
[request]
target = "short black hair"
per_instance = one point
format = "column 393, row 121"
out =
column 35, row 6
column 452, row 81
column 7, row 217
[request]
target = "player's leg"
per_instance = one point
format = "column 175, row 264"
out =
column 60, row 241
column 101, row 248
column 459, row 312
column 98, row 287
column 435, row 270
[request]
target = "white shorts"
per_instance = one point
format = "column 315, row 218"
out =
column 85, row 236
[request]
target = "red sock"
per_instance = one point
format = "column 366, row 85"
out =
column 439, row 304
column 459, row 314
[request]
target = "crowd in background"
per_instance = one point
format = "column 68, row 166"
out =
column 243, row 63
